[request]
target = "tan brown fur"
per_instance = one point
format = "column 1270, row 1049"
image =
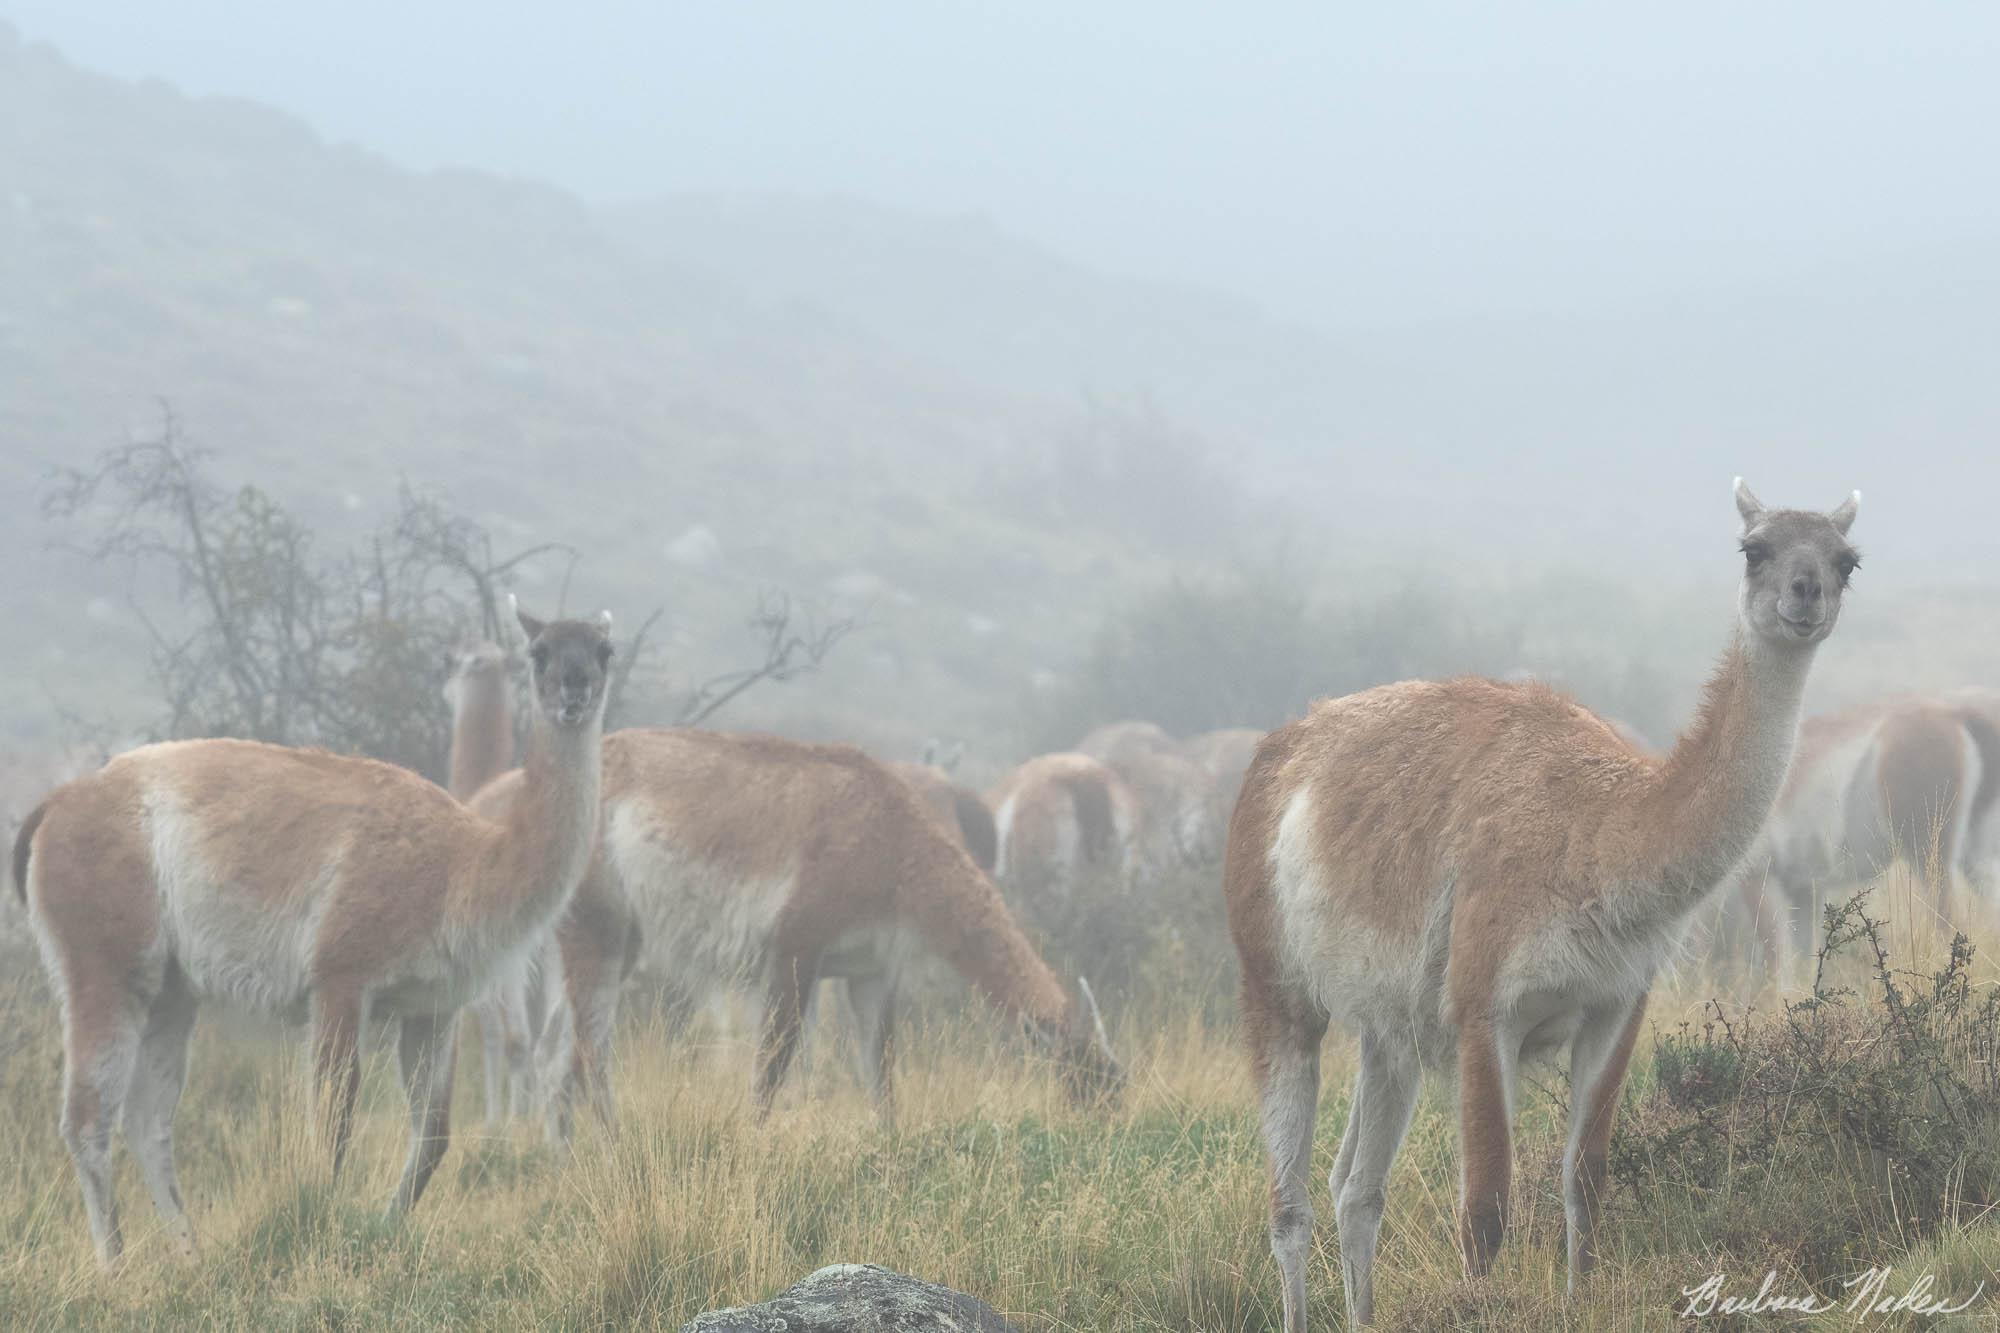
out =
column 1469, row 873
column 962, row 810
column 482, row 718
column 481, row 693
column 292, row 881
column 1923, row 784
column 1450, row 749
column 1632, row 736
column 1178, row 823
column 1906, row 776
column 775, row 863
column 1824, row 740
column 1122, row 740
column 1059, row 818
column 1820, row 737
column 1225, row 755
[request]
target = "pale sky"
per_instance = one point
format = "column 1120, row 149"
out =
column 1349, row 164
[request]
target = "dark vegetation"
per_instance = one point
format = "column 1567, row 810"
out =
column 269, row 637
column 1252, row 648
column 1843, row 1128
column 257, row 631
column 1157, row 947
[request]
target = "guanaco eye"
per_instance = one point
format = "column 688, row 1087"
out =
column 603, row 655
column 540, row 652
column 1847, row 564
column 1756, row 553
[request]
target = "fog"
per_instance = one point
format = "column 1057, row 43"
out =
column 1479, row 295
column 1396, row 165
column 989, row 431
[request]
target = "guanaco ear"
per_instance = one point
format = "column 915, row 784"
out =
column 604, row 623
column 930, row 752
column 1843, row 516
column 1748, row 505
column 952, row 756
column 529, row 625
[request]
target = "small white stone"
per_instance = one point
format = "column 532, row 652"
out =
column 698, row 548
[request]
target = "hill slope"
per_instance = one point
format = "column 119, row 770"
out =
column 895, row 412
column 328, row 323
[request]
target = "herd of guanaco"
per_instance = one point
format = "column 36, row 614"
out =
column 1462, row 875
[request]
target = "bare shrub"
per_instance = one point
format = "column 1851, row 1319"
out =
column 1852, row 1123
column 1153, row 947
column 271, row 639
column 1251, row 648
column 1248, row 649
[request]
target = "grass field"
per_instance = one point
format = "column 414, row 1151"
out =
column 1150, row 1216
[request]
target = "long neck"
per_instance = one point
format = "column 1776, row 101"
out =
column 482, row 732
column 535, row 857
column 963, row 919
column 1711, row 795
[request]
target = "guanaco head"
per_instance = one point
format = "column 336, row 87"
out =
column 479, row 662
column 1091, row 1073
column 1796, row 565
column 568, row 665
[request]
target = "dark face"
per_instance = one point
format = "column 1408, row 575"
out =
column 567, row 663
column 1796, row 565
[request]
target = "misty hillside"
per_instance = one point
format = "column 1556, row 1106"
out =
column 962, row 296
column 1609, row 426
column 327, row 323
column 970, row 441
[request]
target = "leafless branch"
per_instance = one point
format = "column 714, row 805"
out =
column 272, row 640
column 622, row 663
column 789, row 651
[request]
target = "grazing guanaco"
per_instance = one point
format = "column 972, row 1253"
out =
column 752, row 860
column 1917, row 796
column 1468, row 873
column 1899, row 778
column 1060, row 817
column 1175, row 820
column 1178, row 823
column 295, row 882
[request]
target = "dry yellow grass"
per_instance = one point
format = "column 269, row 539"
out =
column 1151, row 1216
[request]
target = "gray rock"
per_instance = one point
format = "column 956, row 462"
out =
column 858, row 1298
